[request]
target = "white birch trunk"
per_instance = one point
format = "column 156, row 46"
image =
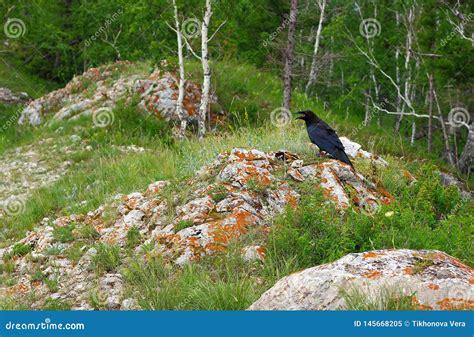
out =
column 206, row 86
column 179, row 102
column 314, row 64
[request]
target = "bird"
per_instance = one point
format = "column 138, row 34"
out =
column 324, row 136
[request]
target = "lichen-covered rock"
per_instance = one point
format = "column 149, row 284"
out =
column 9, row 97
column 159, row 95
column 99, row 89
column 241, row 190
column 433, row 280
column 336, row 178
column 355, row 150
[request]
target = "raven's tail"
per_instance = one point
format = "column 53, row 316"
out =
column 342, row 156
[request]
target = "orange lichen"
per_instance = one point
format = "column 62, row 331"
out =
column 292, row 200
column 455, row 304
column 372, row 255
column 373, row 274
column 418, row 305
column 433, row 286
column 19, row 288
column 408, row 270
column 261, row 251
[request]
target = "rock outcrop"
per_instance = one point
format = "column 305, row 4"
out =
column 9, row 97
column 100, row 89
column 430, row 278
column 241, row 190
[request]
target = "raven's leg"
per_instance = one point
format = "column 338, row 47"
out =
column 322, row 154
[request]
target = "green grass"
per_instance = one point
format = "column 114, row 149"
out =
column 384, row 299
column 107, row 259
column 426, row 215
column 64, row 234
column 14, row 77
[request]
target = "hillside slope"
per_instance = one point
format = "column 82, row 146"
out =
column 130, row 217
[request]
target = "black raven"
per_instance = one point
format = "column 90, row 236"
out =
column 324, row 136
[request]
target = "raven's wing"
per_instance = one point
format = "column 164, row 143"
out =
column 327, row 140
column 324, row 137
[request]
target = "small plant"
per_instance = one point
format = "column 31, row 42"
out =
column 21, row 249
column 88, row 232
column 107, row 258
column 56, row 304
column 219, row 193
column 52, row 284
column 183, row 224
column 98, row 299
column 421, row 265
column 75, row 252
column 7, row 267
column 54, row 250
column 38, row 276
column 256, row 186
column 133, row 237
column 64, row 234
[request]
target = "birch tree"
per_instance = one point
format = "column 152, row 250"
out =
column 289, row 55
column 314, row 64
column 206, row 86
column 179, row 102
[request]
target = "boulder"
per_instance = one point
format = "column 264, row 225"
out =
column 97, row 91
column 9, row 97
column 432, row 279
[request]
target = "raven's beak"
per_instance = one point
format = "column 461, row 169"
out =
column 301, row 113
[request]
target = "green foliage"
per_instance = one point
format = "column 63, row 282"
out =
column 64, row 234
column 107, row 259
column 52, row 283
column 386, row 299
column 87, row 232
column 216, row 284
column 183, row 224
column 56, row 304
column 19, row 249
column 133, row 237
column 426, row 216
column 75, row 251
